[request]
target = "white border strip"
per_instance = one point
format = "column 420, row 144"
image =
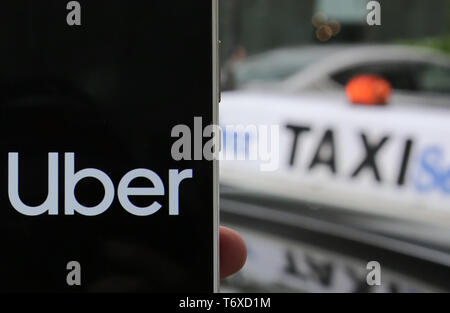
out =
column 216, row 189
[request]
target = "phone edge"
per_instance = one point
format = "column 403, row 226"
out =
column 216, row 189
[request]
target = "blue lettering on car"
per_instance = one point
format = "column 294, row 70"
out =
column 433, row 173
column 238, row 147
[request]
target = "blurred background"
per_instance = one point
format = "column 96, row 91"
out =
column 361, row 101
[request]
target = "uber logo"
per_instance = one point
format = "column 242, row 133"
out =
column 74, row 16
column 72, row 178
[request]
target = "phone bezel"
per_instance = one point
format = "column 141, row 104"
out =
column 216, row 189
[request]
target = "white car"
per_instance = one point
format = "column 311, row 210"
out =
column 392, row 160
column 418, row 75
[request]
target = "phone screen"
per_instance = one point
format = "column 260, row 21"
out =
column 104, row 183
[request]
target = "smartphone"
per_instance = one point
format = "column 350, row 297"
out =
column 105, row 183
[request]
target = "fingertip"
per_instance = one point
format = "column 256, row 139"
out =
column 233, row 252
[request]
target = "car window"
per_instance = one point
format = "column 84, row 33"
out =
column 276, row 66
column 270, row 71
column 434, row 79
column 400, row 75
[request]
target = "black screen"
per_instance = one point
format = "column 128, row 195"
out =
column 104, row 95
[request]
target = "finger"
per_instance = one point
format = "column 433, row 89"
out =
column 233, row 252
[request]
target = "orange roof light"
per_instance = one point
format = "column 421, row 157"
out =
column 369, row 90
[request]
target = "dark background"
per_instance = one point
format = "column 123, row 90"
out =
column 110, row 90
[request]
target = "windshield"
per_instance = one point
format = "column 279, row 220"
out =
column 275, row 66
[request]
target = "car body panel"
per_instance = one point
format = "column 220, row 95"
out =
column 424, row 193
